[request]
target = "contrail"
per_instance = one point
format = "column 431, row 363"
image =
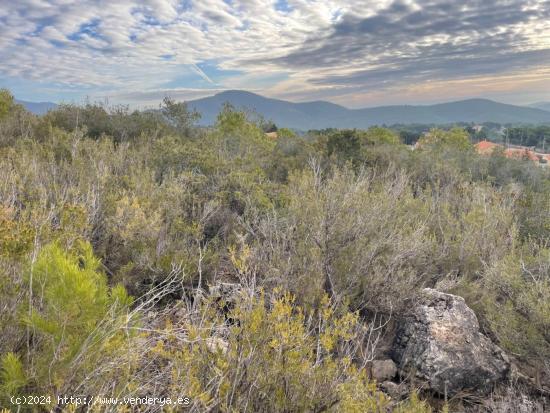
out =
column 202, row 74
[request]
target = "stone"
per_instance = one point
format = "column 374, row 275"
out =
column 216, row 344
column 440, row 344
column 394, row 390
column 226, row 291
column 383, row 370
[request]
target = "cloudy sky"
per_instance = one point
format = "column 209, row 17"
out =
column 355, row 52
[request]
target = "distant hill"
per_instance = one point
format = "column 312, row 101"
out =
column 320, row 114
column 541, row 105
column 38, row 108
column 283, row 113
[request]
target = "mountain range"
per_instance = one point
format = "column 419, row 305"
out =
column 321, row 114
column 38, row 108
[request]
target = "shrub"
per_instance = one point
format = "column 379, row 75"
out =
column 74, row 322
column 274, row 357
column 516, row 305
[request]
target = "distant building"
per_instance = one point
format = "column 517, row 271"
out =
column 513, row 152
column 485, row 147
column 520, row 153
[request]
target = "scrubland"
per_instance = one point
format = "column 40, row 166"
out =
column 115, row 226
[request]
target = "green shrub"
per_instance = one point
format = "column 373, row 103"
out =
column 74, row 320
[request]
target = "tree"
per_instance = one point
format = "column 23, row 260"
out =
column 456, row 139
column 377, row 136
column 6, row 102
column 344, row 145
column 178, row 114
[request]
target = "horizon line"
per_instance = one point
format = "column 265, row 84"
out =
column 106, row 99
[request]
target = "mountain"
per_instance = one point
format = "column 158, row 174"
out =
column 283, row 113
column 320, row 114
column 38, row 108
column 541, row 105
column 471, row 110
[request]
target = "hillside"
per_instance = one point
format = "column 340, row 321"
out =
column 294, row 115
column 541, row 105
column 320, row 114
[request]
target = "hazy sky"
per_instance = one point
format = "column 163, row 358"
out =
column 356, row 53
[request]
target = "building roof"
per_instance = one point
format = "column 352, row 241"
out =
column 485, row 147
column 517, row 153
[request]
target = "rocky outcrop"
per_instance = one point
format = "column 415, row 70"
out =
column 441, row 345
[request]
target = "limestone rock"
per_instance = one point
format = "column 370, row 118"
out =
column 441, row 345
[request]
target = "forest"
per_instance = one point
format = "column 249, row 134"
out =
column 120, row 232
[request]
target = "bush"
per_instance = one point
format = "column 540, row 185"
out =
column 516, row 305
column 73, row 319
column 273, row 357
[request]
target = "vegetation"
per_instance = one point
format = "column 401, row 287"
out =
column 537, row 136
column 522, row 135
column 331, row 235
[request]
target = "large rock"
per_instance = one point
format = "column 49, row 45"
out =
column 441, row 344
column 383, row 370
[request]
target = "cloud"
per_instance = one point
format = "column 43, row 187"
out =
column 288, row 48
column 434, row 40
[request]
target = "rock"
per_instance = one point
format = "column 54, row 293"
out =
column 216, row 344
column 383, row 370
column 441, row 344
column 394, row 390
column 226, row 291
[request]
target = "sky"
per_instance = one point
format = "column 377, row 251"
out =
column 357, row 53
